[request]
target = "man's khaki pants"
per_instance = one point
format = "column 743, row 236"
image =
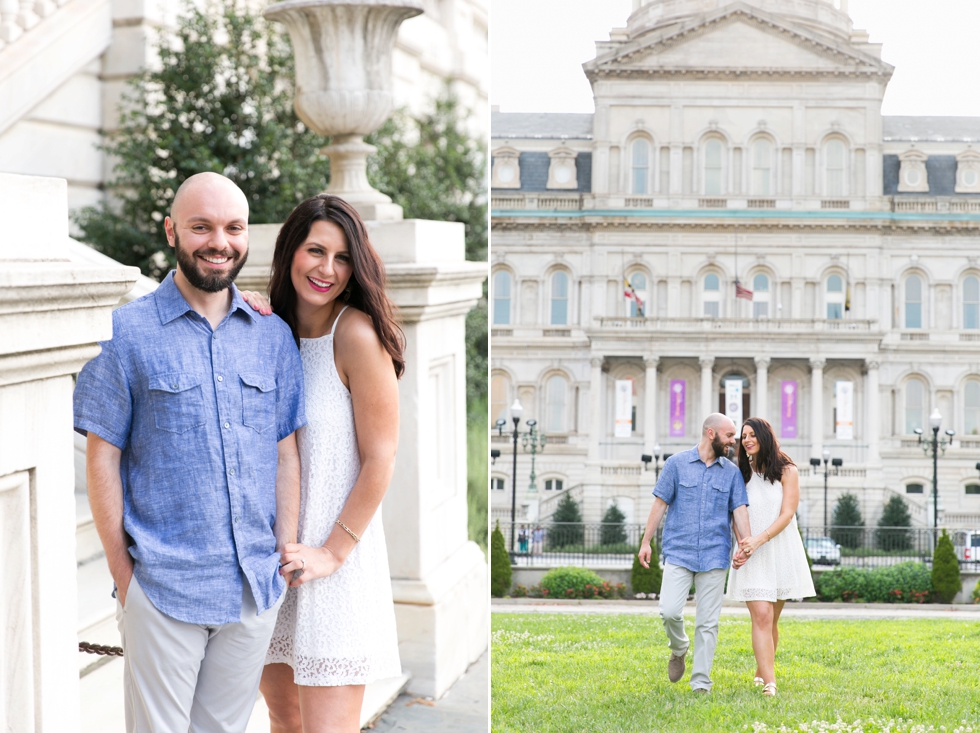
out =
column 710, row 590
column 189, row 678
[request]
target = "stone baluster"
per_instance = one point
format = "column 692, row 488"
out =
column 26, row 17
column 10, row 30
column 44, row 8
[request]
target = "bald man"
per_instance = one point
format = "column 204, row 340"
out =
column 193, row 473
column 704, row 491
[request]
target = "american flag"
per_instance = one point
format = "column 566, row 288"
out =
column 743, row 293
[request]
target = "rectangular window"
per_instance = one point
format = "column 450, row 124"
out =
column 835, row 310
column 711, row 308
column 971, row 315
column 760, row 310
column 913, row 489
column 913, row 315
column 497, row 484
column 973, row 489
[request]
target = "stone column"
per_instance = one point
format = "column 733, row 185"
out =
column 762, row 387
column 816, row 406
column 707, row 380
column 873, row 412
column 650, row 404
column 52, row 313
column 596, row 422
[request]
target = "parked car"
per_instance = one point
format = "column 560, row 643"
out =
column 966, row 542
column 823, row 551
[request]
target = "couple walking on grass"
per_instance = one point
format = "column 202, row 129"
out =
column 705, row 495
column 236, row 464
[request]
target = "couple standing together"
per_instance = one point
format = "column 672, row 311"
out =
column 705, row 495
column 236, row 463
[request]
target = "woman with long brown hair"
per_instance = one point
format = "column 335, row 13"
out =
column 336, row 629
column 770, row 566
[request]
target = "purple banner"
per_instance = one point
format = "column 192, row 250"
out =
column 678, row 423
column 789, row 391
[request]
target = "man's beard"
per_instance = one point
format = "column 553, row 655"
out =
column 209, row 282
column 720, row 449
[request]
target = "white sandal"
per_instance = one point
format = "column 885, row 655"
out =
column 769, row 689
column 758, row 681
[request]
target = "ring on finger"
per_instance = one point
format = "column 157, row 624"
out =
column 303, row 566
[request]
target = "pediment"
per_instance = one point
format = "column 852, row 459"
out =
column 737, row 39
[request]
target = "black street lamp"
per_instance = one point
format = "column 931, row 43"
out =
column 494, row 454
column 932, row 447
column 827, row 462
column 515, row 413
column 533, row 443
column 655, row 459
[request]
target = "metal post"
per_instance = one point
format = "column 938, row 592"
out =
column 513, row 485
column 825, row 472
column 935, row 485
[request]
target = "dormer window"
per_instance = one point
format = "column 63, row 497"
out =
column 506, row 171
column 562, row 173
column 912, row 175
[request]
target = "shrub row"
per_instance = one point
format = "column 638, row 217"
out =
column 907, row 582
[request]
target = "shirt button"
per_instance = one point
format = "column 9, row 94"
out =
column 227, row 425
column 238, row 520
column 220, row 378
column 232, row 472
column 175, row 386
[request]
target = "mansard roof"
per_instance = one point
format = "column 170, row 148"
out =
column 930, row 129
column 546, row 126
column 653, row 53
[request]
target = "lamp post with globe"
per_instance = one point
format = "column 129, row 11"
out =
column 932, row 448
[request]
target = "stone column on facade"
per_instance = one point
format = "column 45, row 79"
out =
column 52, row 314
column 761, row 387
column 595, row 408
column 816, row 406
column 650, row 404
column 873, row 427
column 707, row 380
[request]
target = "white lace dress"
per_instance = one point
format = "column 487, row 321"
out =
column 777, row 570
column 338, row 630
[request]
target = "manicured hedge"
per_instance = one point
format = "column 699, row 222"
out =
column 907, row 582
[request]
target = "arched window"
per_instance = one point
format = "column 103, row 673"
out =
column 915, row 406
column 499, row 397
column 501, row 298
column 760, row 296
column 555, row 408
column 914, row 488
column 913, row 302
column 971, row 302
column 711, row 295
column 559, row 299
column 835, row 297
column 972, row 489
column 761, row 167
column 712, row 168
column 497, row 484
column 554, row 484
column 835, row 168
column 971, row 408
column 639, row 282
column 641, row 165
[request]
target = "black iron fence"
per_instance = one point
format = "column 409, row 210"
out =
column 615, row 545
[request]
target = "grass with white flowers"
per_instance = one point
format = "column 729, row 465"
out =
column 609, row 673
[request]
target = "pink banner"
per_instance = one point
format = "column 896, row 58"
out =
column 790, row 394
column 678, row 423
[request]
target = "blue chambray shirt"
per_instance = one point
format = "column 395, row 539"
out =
column 700, row 499
column 198, row 415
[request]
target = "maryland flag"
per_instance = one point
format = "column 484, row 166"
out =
column 630, row 293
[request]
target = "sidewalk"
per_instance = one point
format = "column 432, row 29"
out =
column 844, row 611
column 465, row 707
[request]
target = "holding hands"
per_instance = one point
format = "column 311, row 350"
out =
column 747, row 547
column 307, row 563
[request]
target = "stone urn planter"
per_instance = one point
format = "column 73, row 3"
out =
column 343, row 51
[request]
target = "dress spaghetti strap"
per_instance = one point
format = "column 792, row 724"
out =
column 334, row 326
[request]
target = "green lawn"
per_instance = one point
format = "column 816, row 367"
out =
column 609, row 673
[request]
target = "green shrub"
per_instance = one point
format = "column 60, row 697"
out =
column 560, row 580
column 647, row 580
column 500, row 572
column 892, row 534
column 906, row 582
column 946, row 581
column 612, row 532
column 848, row 523
column 976, row 593
column 567, row 528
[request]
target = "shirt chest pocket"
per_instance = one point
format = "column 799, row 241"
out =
column 720, row 494
column 258, row 401
column 178, row 402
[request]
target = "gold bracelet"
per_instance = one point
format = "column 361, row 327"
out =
column 348, row 531
column 765, row 530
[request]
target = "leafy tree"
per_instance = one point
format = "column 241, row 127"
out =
column 500, row 570
column 567, row 526
column 613, row 532
column 847, row 529
column 892, row 533
column 946, row 581
column 647, row 580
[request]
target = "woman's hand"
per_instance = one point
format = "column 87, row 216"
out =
column 307, row 563
column 739, row 559
column 258, row 302
column 750, row 544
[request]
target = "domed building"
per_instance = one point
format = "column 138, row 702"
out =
column 738, row 228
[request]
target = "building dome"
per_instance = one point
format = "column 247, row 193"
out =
column 822, row 16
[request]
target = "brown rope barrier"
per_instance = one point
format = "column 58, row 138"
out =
column 107, row 651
